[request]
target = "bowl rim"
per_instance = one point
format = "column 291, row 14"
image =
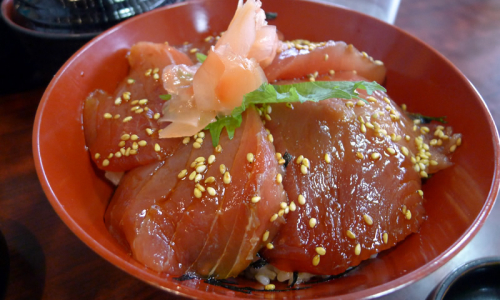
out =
column 372, row 292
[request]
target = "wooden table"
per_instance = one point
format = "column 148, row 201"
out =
column 47, row 261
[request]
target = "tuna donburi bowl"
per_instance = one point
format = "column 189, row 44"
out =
column 441, row 215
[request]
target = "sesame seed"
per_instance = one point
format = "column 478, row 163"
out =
column 211, row 191
column 459, row 141
column 331, row 72
column 199, row 140
column 121, row 144
column 192, row 175
column 125, row 137
column 199, row 159
column 283, row 205
column 270, row 138
column 118, row 101
column 118, row 154
column 218, row 149
column 375, row 156
column 359, row 155
column 326, row 56
column 312, row 222
column 281, row 161
column 320, row 250
column 270, row 246
column 198, row 178
column 222, row 168
column 357, row 249
column 387, row 100
column 110, row 155
column 210, row 179
column 105, row 163
column 279, row 178
column 269, row 287
column 148, row 72
column 142, row 143
column 421, row 193
column 108, row 116
column 255, row 199
column 193, row 50
column 423, row 174
column 186, row 140
column 227, row 178
column 200, row 187
column 407, row 138
column 433, row 163
column 197, row 193
column 391, row 150
column 408, row 214
column 371, row 99
column 138, row 111
column 196, row 145
column 292, row 206
column 350, row 234
column 302, row 200
column 299, row 159
column 250, row 157
column 369, row 125
column 265, row 236
column 385, row 237
column 135, row 146
column 453, row 148
column 306, row 162
column 303, row 169
column 349, row 104
column 126, row 95
column 182, row 173
column 126, row 119
column 405, row 151
column 278, row 155
column 315, row 260
column 368, row 219
column 97, row 155
column 201, row 168
column 273, row 218
column 156, row 116
column 327, row 158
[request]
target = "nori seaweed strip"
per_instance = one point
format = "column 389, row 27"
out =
column 247, row 289
column 186, row 277
column 330, row 277
column 426, row 119
column 288, row 158
column 258, row 263
column 271, row 16
column 295, row 277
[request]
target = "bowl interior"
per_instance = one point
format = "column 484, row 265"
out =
column 458, row 199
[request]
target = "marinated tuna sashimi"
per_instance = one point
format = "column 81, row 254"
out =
column 221, row 167
column 303, row 58
column 121, row 130
column 354, row 181
column 203, row 209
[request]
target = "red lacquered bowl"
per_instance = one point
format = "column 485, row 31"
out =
column 458, row 198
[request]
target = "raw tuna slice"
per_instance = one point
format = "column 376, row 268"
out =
column 121, row 130
column 353, row 182
column 197, row 210
column 299, row 59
